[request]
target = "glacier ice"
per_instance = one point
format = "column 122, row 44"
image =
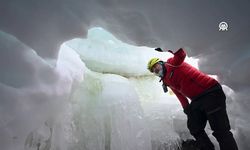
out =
column 152, row 115
column 98, row 95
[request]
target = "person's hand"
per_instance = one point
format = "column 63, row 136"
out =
column 161, row 50
column 170, row 51
column 158, row 49
column 187, row 110
column 165, row 88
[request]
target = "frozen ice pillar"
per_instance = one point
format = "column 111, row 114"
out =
column 108, row 115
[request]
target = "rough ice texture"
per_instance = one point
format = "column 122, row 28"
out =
column 87, row 101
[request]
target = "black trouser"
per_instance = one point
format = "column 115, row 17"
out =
column 211, row 107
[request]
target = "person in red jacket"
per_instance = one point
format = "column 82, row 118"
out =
column 206, row 95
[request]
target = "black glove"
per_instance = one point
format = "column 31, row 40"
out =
column 158, row 49
column 165, row 88
column 161, row 50
column 170, row 51
column 187, row 110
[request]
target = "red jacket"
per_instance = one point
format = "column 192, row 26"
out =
column 184, row 79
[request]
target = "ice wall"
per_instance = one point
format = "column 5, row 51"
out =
column 158, row 120
column 44, row 25
column 114, row 100
column 99, row 96
column 161, row 113
column 35, row 111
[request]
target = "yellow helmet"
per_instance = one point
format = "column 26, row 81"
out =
column 152, row 62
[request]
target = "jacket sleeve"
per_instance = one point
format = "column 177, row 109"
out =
column 183, row 100
column 179, row 57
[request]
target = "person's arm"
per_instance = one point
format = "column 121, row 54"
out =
column 183, row 100
column 179, row 57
